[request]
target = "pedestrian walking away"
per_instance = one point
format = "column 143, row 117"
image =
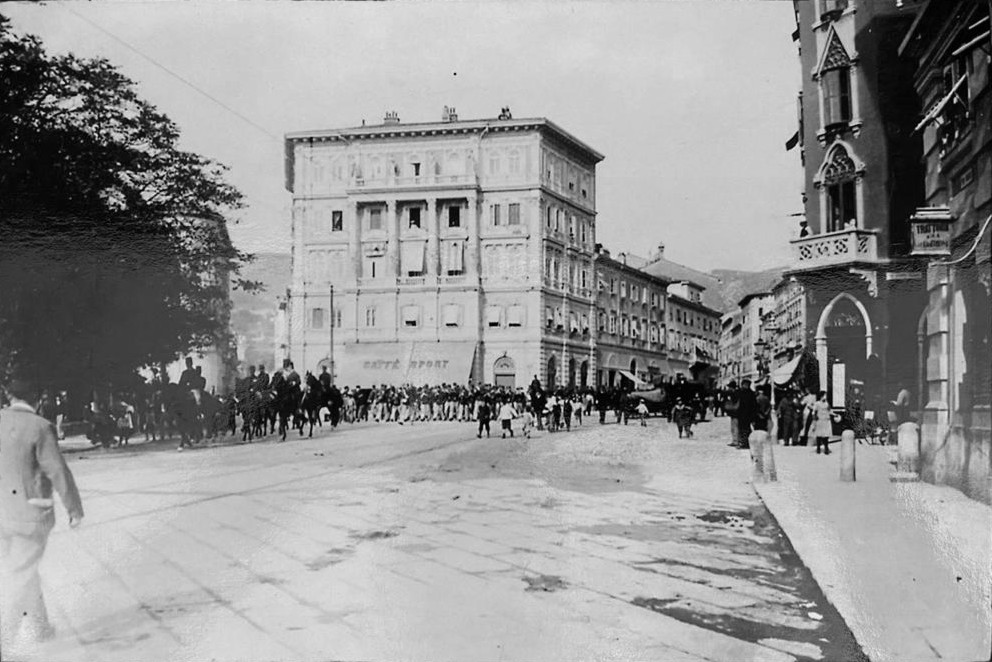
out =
column 30, row 465
column 506, row 415
column 484, row 413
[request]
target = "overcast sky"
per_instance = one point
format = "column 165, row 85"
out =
column 691, row 102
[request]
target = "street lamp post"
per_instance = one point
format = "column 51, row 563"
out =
column 764, row 350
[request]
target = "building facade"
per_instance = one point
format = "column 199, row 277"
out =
column 693, row 333
column 730, row 348
column 630, row 323
column 790, row 319
column 756, row 310
column 950, row 45
column 863, row 180
column 443, row 252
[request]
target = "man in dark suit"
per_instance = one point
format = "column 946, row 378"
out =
column 262, row 382
column 747, row 412
column 188, row 379
column 30, row 465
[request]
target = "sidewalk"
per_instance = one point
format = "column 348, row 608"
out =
column 907, row 565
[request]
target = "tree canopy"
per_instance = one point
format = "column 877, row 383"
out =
column 114, row 250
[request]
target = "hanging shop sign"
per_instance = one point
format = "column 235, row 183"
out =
column 931, row 231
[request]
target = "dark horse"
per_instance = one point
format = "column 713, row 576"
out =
column 285, row 401
column 311, row 403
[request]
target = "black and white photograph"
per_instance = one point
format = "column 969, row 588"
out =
column 493, row 330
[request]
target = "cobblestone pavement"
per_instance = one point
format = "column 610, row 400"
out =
column 424, row 543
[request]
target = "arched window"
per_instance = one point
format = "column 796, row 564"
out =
column 837, row 183
column 552, row 372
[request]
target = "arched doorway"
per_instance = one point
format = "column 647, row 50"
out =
column 571, row 373
column 843, row 345
column 633, row 367
column 505, row 372
column 552, row 372
column 584, row 374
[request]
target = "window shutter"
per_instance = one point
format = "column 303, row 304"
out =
column 515, row 316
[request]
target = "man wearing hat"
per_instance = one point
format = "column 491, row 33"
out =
column 30, row 466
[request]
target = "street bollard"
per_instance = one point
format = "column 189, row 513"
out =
column 908, row 462
column 847, row 456
column 756, row 442
column 769, row 460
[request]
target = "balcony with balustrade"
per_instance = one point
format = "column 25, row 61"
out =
column 412, row 182
column 849, row 246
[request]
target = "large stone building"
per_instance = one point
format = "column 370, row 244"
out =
column 863, row 180
column 453, row 251
column 630, row 323
column 950, row 44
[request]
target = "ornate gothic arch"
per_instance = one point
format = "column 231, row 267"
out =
column 821, row 334
column 840, row 162
column 834, row 56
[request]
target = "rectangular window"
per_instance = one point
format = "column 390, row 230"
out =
column 370, row 316
column 613, row 324
column 374, row 268
column 601, row 318
column 841, row 206
column 515, row 316
column 317, row 318
column 514, row 214
column 337, row 318
column 454, row 217
column 623, row 290
column 585, row 324
column 550, row 216
column 494, row 215
column 416, row 169
column 550, row 316
column 337, row 221
column 411, row 316
column 375, row 219
column 613, row 286
column 452, row 315
column 414, row 214
column 455, row 261
column 837, row 96
column 494, row 316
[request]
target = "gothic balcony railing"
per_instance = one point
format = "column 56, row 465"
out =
column 835, row 248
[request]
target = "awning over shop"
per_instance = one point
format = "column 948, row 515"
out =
column 785, row 373
column 419, row 363
column 638, row 383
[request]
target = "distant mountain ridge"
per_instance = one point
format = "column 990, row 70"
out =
column 736, row 284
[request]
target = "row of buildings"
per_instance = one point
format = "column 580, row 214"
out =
column 465, row 251
column 891, row 276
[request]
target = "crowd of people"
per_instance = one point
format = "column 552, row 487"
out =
column 800, row 413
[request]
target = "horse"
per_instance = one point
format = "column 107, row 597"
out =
column 311, row 403
column 286, row 400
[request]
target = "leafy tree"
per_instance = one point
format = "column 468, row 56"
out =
column 114, row 251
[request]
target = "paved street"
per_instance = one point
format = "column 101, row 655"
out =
column 424, row 543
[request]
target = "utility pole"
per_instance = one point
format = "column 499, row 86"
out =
column 330, row 352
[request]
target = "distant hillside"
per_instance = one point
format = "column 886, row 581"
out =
column 735, row 285
column 253, row 315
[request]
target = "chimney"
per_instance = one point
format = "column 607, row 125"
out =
column 392, row 117
column 661, row 251
column 449, row 114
